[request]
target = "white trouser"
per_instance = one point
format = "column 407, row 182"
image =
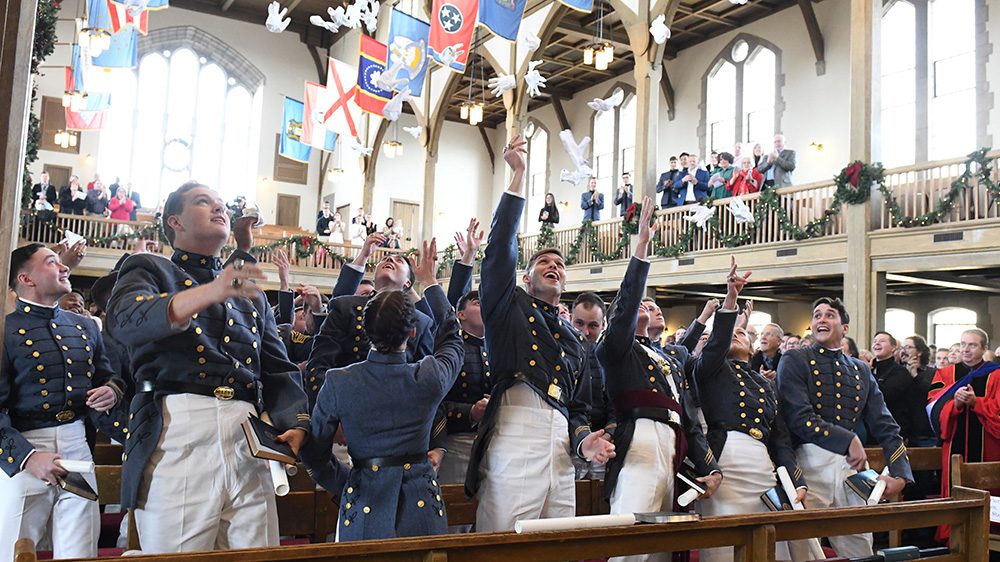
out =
column 526, row 472
column 28, row 507
column 825, row 474
column 747, row 473
column 201, row 489
column 646, row 480
column 456, row 460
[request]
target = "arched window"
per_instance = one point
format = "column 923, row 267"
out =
column 741, row 95
column 947, row 325
column 182, row 116
column 929, row 80
column 538, row 174
column 900, row 323
column 613, row 142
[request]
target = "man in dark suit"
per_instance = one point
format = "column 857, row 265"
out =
column 665, row 184
column 44, row 186
column 691, row 184
column 777, row 168
column 592, row 201
column 624, row 196
column 134, row 196
column 521, row 465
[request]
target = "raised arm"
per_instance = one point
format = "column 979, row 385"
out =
column 351, row 275
column 461, row 272
column 448, row 350
column 499, row 267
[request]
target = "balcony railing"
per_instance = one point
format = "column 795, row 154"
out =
column 917, row 189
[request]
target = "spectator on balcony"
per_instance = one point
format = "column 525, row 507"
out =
column 72, row 197
column 392, row 234
column 94, row 182
column 665, row 184
column 713, row 162
column 758, row 155
column 337, row 228
column 323, row 219
column 624, row 197
column 720, row 179
column 43, row 186
column 42, row 203
column 121, row 206
column 136, row 200
column 549, row 213
column 592, row 201
column 691, row 185
column 97, row 200
column 748, row 180
column 738, row 156
column 779, row 164
column 370, row 226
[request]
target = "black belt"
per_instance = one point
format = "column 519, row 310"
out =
column 377, row 462
column 663, row 415
column 222, row 392
column 61, row 416
column 751, row 431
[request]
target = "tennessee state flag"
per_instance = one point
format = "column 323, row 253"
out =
column 452, row 24
column 371, row 64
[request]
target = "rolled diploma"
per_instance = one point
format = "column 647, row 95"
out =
column 789, row 487
column 687, row 497
column 76, row 466
column 879, row 488
column 815, row 548
column 278, row 475
column 570, row 523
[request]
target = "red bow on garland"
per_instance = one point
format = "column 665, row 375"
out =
column 853, row 173
column 631, row 212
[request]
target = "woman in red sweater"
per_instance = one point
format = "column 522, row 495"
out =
column 121, row 206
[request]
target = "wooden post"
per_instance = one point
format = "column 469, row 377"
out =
column 24, row 551
column 647, row 75
column 18, row 17
column 858, row 277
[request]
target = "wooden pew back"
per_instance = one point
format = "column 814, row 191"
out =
column 921, row 458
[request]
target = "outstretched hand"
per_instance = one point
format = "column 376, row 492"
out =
column 596, row 448
column 514, row 153
column 468, row 243
column 425, row 270
column 645, row 232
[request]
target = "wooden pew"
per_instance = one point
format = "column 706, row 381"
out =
column 978, row 475
column 753, row 537
column 921, row 458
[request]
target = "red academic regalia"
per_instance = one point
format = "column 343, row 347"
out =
column 977, row 437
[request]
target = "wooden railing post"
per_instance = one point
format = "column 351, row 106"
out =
column 24, row 551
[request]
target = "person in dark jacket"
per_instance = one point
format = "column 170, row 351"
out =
column 623, row 197
column 44, row 186
column 72, row 197
column 391, row 490
column 97, row 200
column 549, row 213
column 587, row 317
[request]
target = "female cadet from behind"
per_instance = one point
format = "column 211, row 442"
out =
column 392, row 490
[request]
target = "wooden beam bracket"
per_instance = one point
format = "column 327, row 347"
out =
column 815, row 35
column 560, row 114
column 489, row 148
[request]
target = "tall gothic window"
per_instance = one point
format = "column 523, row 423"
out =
column 177, row 117
column 538, row 174
column 741, row 95
column 613, row 145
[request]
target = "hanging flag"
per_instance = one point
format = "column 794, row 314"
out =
column 123, row 51
column 371, row 64
column 579, row 5
column 292, row 146
column 452, row 24
column 340, row 116
column 502, row 17
column 408, row 44
column 81, row 119
column 137, row 5
column 122, row 16
column 314, row 133
column 96, row 100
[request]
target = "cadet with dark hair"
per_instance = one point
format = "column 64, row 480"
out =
column 587, row 317
column 392, row 490
column 521, row 465
column 206, row 354
column 54, row 373
column 824, row 395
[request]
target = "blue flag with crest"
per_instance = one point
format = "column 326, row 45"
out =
column 291, row 145
column 408, row 44
column 502, row 17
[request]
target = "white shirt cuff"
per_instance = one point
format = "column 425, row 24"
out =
column 357, row 268
column 518, row 195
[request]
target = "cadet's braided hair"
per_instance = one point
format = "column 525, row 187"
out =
column 389, row 317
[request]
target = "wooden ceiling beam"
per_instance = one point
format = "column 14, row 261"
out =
column 815, row 35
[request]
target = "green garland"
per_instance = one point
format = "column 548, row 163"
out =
column 546, row 237
column 44, row 43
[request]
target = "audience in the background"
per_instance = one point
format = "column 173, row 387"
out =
column 592, row 201
column 549, row 213
column 623, row 198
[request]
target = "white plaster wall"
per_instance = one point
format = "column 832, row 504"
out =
column 993, row 69
column 282, row 58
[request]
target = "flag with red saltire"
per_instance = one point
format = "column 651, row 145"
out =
column 343, row 113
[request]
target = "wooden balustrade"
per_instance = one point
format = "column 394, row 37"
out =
column 917, row 189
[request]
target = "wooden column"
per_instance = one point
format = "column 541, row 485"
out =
column 647, row 121
column 18, row 31
column 427, row 208
column 859, row 281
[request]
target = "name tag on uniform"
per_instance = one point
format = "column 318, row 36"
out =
column 554, row 391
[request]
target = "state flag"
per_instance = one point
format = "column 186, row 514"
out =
column 371, row 64
column 292, row 145
column 81, row 119
column 408, row 44
column 97, row 99
column 123, row 52
column 341, row 116
column 314, row 133
column 579, row 5
column 502, row 17
column 144, row 4
column 452, row 24
column 122, row 16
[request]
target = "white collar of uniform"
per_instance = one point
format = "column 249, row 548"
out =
column 33, row 303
